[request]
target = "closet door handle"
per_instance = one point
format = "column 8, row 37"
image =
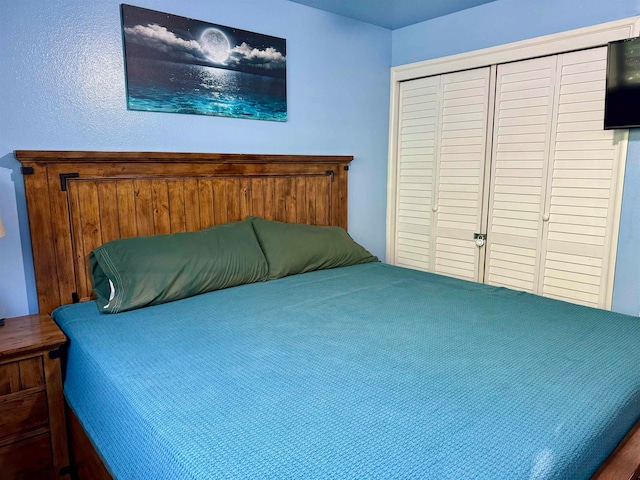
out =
column 545, row 217
column 434, row 208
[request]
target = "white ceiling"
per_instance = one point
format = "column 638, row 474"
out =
column 392, row 13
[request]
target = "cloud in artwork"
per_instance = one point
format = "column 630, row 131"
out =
column 158, row 38
column 245, row 55
column 156, row 41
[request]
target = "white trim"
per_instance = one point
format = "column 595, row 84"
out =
column 392, row 180
column 579, row 39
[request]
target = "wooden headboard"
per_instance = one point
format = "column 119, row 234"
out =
column 79, row 200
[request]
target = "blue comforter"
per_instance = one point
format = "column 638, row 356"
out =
column 370, row 371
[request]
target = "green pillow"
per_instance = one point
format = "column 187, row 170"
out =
column 137, row 272
column 292, row 248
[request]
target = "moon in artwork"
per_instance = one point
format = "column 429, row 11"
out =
column 215, row 45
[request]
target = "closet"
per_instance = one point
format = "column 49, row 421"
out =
column 515, row 152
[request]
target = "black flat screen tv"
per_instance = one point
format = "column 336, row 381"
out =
column 622, row 100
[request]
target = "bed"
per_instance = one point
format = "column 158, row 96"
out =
column 368, row 371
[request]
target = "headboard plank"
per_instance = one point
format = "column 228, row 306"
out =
column 108, row 204
column 143, row 204
column 175, row 197
column 76, row 204
column 269, row 195
column 311, row 201
column 160, row 206
column 290, row 200
column 257, row 199
column 42, row 239
column 103, row 196
column 301, row 198
column 192, row 199
column 126, row 209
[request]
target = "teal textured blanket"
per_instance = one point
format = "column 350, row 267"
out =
column 369, row 371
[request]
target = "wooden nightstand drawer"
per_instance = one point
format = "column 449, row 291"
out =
column 23, row 414
column 28, row 460
column 33, row 437
column 20, row 375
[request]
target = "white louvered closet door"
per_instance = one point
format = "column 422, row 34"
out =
column 440, row 176
column 580, row 201
column 418, row 121
column 460, row 173
column 521, row 140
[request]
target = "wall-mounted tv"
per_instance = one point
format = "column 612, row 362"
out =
column 622, row 101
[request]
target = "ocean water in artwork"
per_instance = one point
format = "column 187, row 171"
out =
column 165, row 86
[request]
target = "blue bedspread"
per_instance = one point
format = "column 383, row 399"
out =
column 370, row 371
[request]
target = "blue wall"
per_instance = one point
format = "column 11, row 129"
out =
column 62, row 86
column 505, row 21
column 626, row 290
column 500, row 22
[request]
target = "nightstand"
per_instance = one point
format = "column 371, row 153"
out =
column 33, row 434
